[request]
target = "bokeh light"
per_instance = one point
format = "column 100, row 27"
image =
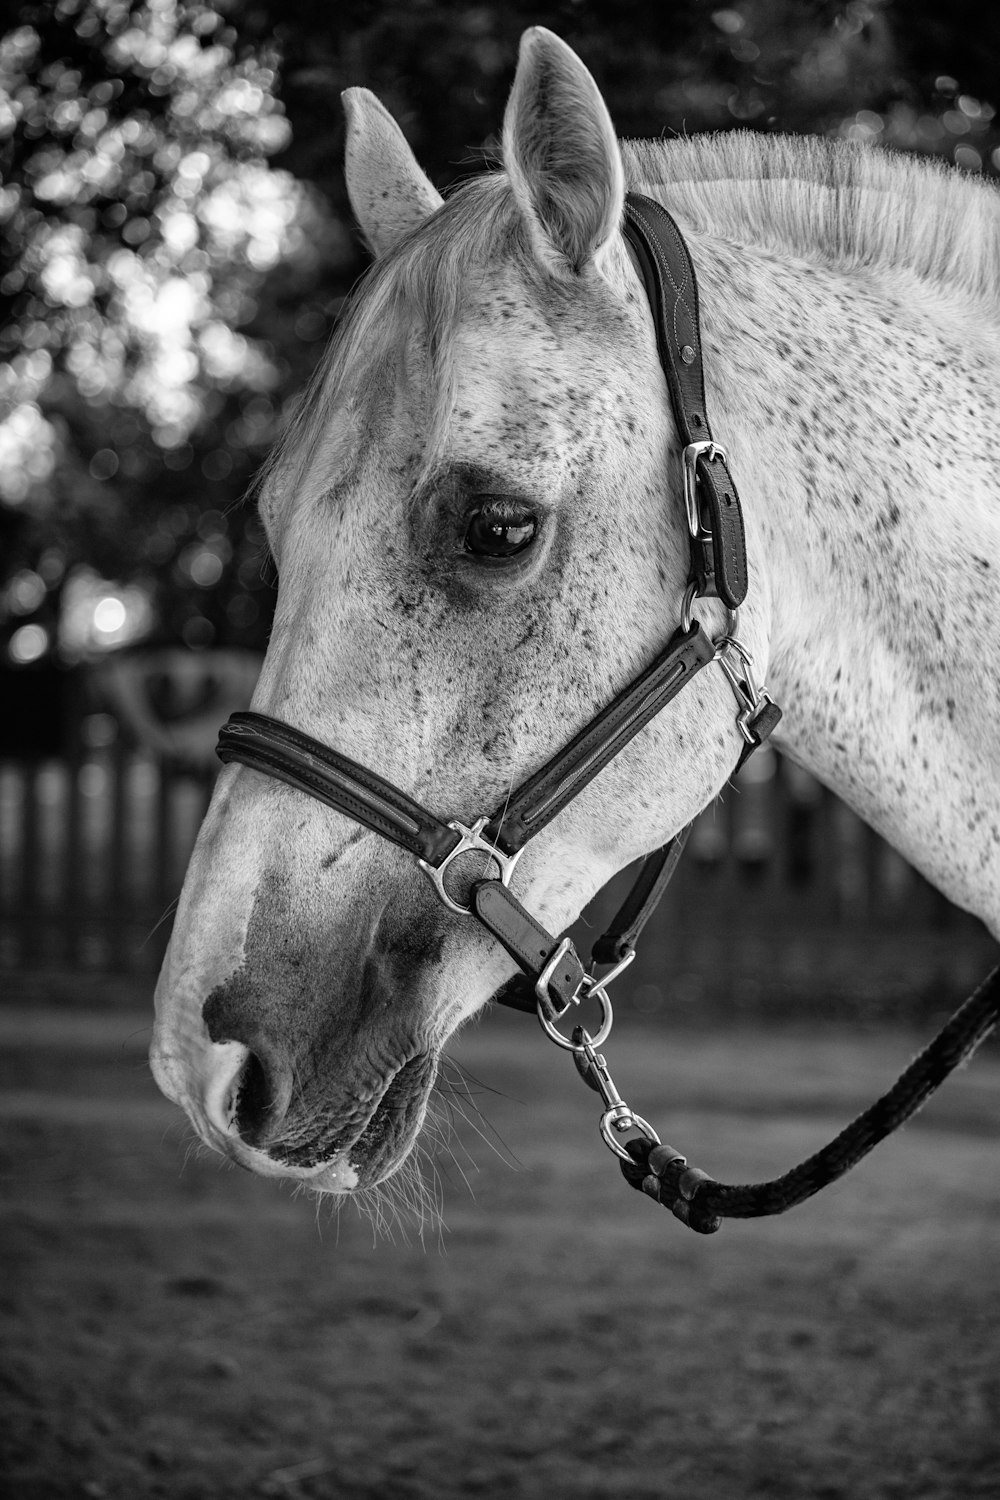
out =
column 28, row 643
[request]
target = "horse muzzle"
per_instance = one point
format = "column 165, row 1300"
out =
column 264, row 1110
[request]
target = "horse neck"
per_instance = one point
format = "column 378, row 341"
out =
column 857, row 408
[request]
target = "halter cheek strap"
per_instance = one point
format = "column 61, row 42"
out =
column 719, row 555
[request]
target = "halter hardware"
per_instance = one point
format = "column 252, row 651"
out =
column 469, row 839
column 758, row 704
column 589, row 988
column 618, row 1117
column 710, row 451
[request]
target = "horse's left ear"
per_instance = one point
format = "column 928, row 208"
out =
column 389, row 192
column 561, row 153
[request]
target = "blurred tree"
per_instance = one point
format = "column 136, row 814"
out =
column 140, row 218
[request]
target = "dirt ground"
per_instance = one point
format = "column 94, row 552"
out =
column 174, row 1328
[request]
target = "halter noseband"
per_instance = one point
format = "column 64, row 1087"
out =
column 718, row 569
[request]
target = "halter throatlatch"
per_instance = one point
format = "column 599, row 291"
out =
column 554, row 976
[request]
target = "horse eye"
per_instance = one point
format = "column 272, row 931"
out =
column 500, row 529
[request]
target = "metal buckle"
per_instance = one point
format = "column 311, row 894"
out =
column 590, row 987
column 691, row 455
column 544, row 979
column 472, row 838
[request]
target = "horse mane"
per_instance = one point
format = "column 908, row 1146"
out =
column 836, row 202
column 832, row 202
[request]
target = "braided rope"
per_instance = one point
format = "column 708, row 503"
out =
column 702, row 1203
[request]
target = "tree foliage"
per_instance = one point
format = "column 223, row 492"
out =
column 140, row 218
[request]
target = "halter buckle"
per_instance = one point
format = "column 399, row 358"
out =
column 691, row 455
column 471, row 838
column 589, row 988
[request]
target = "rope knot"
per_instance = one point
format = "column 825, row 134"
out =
column 663, row 1174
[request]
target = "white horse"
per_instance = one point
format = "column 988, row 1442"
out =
column 478, row 523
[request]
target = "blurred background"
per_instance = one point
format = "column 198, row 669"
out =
column 176, row 249
column 177, row 246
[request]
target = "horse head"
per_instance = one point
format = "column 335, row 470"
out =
column 478, row 522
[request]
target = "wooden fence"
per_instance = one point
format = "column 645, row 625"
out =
column 781, row 885
column 93, row 849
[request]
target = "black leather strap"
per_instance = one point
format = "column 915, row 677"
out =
column 547, row 792
column 720, row 563
column 720, row 552
column 764, row 721
column 657, row 871
column 528, row 942
column 279, row 750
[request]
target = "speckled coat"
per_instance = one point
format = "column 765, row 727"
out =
column 501, row 359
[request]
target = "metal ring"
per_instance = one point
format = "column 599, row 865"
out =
column 471, row 839
column 603, row 1032
column 690, row 594
column 636, row 1122
column 730, row 640
column 732, row 618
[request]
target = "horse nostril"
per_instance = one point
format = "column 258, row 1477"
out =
column 260, row 1094
column 260, row 1099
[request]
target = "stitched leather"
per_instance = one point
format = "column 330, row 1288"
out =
column 672, row 290
column 528, row 942
column 279, row 750
column 543, row 795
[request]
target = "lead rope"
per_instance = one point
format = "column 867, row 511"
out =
column 697, row 1199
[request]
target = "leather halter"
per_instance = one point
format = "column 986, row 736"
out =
column 556, row 975
column 556, row 978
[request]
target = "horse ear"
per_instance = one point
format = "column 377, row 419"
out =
column 561, row 153
column 388, row 191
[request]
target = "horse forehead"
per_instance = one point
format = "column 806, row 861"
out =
column 529, row 393
column 522, row 360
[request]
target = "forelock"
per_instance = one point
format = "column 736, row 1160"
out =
column 414, row 295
